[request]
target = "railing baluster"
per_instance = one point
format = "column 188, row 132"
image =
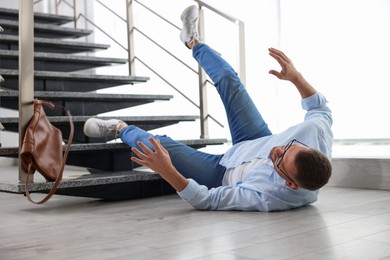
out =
column 204, row 122
column 130, row 37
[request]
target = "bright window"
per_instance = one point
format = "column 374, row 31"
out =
column 342, row 48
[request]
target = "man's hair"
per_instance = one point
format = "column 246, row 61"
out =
column 314, row 169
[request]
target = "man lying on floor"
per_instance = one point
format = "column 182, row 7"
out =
column 261, row 171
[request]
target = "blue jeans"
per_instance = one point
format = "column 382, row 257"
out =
column 245, row 122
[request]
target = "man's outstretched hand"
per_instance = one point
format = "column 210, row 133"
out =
column 160, row 162
column 290, row 73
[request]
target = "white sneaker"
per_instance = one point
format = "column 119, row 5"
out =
column 95, row 127
column 189, row 31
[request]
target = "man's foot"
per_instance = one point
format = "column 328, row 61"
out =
column 95, row 127
column 189, row 31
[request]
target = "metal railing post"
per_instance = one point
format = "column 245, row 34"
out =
column 57, row 3
column 130, row 36
column 26, row 70
column 75, row 14
column 241, row 52
column 204, row 124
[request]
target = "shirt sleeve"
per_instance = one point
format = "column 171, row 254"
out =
column 228, row 198
column 317, row 109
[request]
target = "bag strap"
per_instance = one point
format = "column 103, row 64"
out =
column 65, row 156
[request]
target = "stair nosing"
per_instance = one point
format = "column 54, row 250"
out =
column 86, row 95
column 53, row 41
column 78, row 119
column 85, row 180
column 119, row 145
column 75, row 76
column 40, row 15
column 64, row 57
column 48, row 27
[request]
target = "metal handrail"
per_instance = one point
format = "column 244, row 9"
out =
column 224, row 15
column 160, row 46
column 241, row 37
column 203, row 81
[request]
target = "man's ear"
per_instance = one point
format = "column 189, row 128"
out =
column 291, row 185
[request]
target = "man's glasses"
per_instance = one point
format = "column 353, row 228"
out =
column 280, row 159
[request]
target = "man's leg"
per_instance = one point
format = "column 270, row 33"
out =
column 191, row 163
column 245, row 121
column 202, row 167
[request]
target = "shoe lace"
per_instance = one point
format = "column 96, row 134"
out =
column 194, row 29
column 195, row 33
column 109, row 130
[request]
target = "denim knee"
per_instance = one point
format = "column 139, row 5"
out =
column 229, row 79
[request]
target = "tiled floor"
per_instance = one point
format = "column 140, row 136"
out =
column 343, row 224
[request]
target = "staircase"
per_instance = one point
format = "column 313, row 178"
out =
column 96, row 167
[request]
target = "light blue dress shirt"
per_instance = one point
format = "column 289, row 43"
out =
column 262, row 188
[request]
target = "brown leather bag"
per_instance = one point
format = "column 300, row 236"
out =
column 42, row 148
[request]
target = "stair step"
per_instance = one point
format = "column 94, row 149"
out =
column 145, row 122
column 103, row 147
column 81, row 103
column 57, row 62
column 63, row 81
column 45, row 30
column 108, row 156
column 13, row 14
column 104, row 170
column 11, row 42
column 109, row 185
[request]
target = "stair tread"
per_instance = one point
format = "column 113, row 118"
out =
column 80, row 46
column 82, row 103
column 49, row 30
column 85, row 95
column 80, row 119
column 59, row 62
column 13, row 151
column 148, row 123
column 84, row 180
column 75, row 76
column 38, row 16
column 63, row 57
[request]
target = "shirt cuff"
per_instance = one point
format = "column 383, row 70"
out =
column 316, row 100
column 190, row 191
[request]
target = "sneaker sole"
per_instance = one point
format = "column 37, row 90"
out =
column 186, row 10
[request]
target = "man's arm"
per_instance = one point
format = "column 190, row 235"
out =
column 290, row 73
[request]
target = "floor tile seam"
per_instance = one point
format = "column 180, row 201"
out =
column 364, row 238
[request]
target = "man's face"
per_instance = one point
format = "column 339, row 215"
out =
column 283, row 158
